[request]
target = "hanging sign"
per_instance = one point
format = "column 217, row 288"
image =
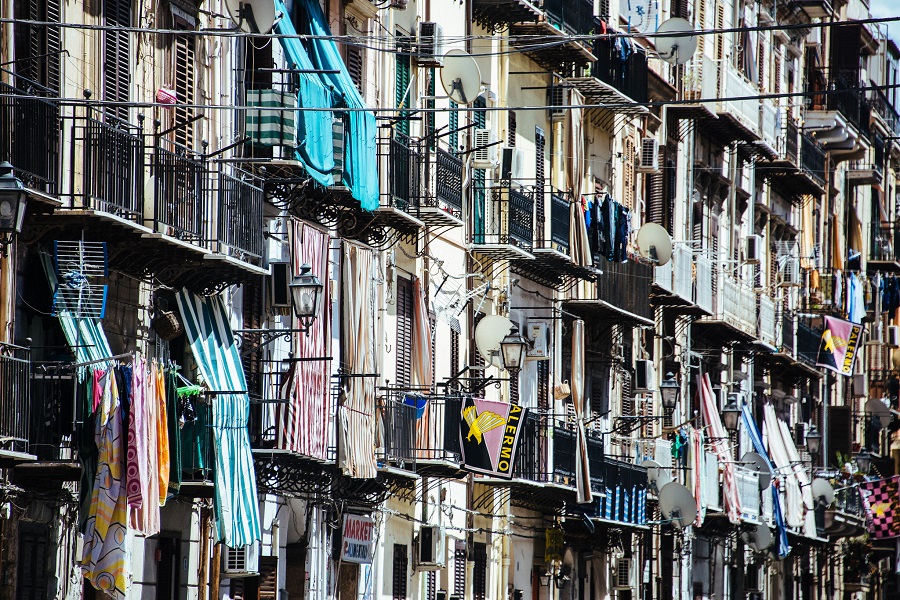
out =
column 489, row 433
column 837, row 350
column 358, row 539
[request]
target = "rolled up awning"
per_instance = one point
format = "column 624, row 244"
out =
column 756, row 438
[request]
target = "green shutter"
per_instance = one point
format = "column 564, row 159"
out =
column 480, row 118
column 430, row 104
column 402, row 86
column 454, row 125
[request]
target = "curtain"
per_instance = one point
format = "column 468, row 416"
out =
column 793, row 499
column 807, row 233
column 720, row 442
column 219, row 363
column 421, row 363
column 305, row 419
column 582, row 462
column 698, row 473
column 803, row 482
column 356, row 442
column 574, row 161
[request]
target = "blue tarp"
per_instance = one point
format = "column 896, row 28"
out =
column 331, row 86
column 756, row 437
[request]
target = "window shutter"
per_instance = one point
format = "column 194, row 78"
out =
column 511, row 129
column 454, row 125
column 355, row 66
column 679, row 8
column 628, row 174
column 656, row 197
column 116, row 55
column 763, row 60
column 543, row 390
column 37, row 47
column 429, row 117
column 268, row 578
column 514, row 390
column 479, row 573
column 670, row 185
column 459, row 569
column 402, row 92
column 454, row 351
column 185, row 52
column 404, row 331
column 540, row 148
column 628, row 408
column 399, row 583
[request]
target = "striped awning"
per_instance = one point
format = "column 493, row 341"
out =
column 267, row 123
column 219, row 363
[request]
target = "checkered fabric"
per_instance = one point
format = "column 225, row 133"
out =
column 882, row 500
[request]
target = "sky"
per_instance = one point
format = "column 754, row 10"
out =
column 887, row 8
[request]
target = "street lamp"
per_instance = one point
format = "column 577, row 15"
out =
column 306, row 294
column 731, row 414
column 864, row 461
column 13, row 199
column 813, row 440
column 670, row 391
column 512, row 350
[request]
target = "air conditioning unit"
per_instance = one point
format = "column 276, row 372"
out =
column 512, row 166
column 860, row 386
column 241, row 562
column 484, row 149
column 789, row 273
column 556, row 96
column 893, row 336
column 875, row 332
column 643, row 376
column 752, row 249
column 649, row 156
column 623, row 577
column 432, row 540
column 431, row 45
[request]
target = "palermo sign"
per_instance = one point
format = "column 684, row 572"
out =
column 358, row 538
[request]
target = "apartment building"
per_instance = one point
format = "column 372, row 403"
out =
column 250, row 313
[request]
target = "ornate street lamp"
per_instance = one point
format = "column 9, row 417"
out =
column 670, row 391
column 731, row 414
column 306, row 296
column 512, row 351
column 813, row 440
column 13, row 198
column 864, row 461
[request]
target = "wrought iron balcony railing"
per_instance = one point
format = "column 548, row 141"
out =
column 408, row 437
column 56, row 418
column 404, row 162
column 628, row 75
column 29, row 135
column 505, row 218
column 812, row 160
column 448, row 180
column 809, row 337
column 574, row 17
column 626, row 285
column 181, row 184
column 15, row 399
column 240, row 219
column 113, row 177
column 885, row 243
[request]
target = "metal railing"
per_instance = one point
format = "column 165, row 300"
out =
column 808, row 339
column 738, row 306
column 448, row 180
column 736, row 86
column 398, row 431
column 769, row 124
column 113, row 178
column 766, row 321
column 240, row 219
column 747, row 483
column 56, row 417
column 703, row 289
column 15, row 397
column 575, row 17
column 197, row 447
column 791, row 140
column 683, row 272
column 565, row 448
column 180, row 198
column 629, row 76
column 626, row 285
column 788, row 329
column 885, row 243
column 552, row 226
column 404, row 173
column 812, row 159
column 848, row 500
column 884, row 109
column 29, row 135
column 510, row 218
column 531, row 454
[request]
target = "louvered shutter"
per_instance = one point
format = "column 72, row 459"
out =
column 429, row 117
column 117, row 55
column 540, row 148
column 514, row 390
column 185, row 58
column 402, row 92
column 37, row 47
column 543, row 389
column 679, row 8
column 399, row 582
column 355, row 65
column 670, row 183
column 268, row 578
column 479, row 573
column 776, row 74
column 628, row 175
column 454, row 125
column 628, row 408
column 459, row 569
column 404, row 331
column 655, row 198
column 479, row 118
column 511, row 129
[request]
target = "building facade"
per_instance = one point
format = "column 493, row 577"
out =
column 179, row 419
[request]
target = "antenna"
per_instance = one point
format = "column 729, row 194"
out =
column 678, row 49
column 759, row 538
column 252, row 16
column 657, row 475
column 677, row 505
column 461, row 77
column 756, row 462
column 822, row 491
column 489, row 332
column 654, row 244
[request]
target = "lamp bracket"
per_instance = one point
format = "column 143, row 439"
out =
column 256, row 339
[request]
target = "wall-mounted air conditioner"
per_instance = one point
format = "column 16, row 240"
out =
column 484, row 150
column 893, row 336
column 649, row 159
column 431, row 45
column 623, row 578
column 241, row 562
column 860, row 386
column 752, row 249
column 512, row 166
column 643, row 376
column 432, row 540
column 789, row 273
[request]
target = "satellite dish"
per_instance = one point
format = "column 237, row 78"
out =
column 757, row 463
column 876, row 408
column 759, row 538
column 677, row 505
column 654, row 244
column 461, row 77
column 252, row 16
column 657, row 475
column 822, row 491
column 679, row 49
column 489, row 332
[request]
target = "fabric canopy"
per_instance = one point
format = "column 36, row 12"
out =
column 360, row 162
column 720, row 444
column 784, row 454
column 582, row 461
column 756, row 438
column 214, row 349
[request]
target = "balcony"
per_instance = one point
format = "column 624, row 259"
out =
column 747, row 483
column 743, row 116
column 623, row 294
column 495, row 15
column 884, row 248
column 704, row 295
column 766, row 322
column 442, row 205
column 840, row 118
column 546, row 40
column 619, row 85
column 240, row 219
column 673, row 282
column 699, row 86
column 809, row 336
column 15, row 404
column 552, row 264
column 113, row 175
column 404, row 169
column 181, row 182
column 197, row 451
column 887, row 117
column 847, row 516
column 862, row 173
column 504, row 223
column 30, row 137
column 735, row 312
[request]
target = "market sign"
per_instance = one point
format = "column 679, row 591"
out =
column 358, row 539
column 488, row 434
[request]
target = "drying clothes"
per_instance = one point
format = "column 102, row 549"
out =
column 838, row 292
column 136, row 453
column 147, row 518
column 162, row 431
column 609, row 226
column 856, row 309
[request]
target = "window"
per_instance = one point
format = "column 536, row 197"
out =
column 459, row 569
column 404, row 331
column 402, row 79
column 454, row 125
column 116, row 56
column 38, row 46
column 479, row 573
column 185, row 51
column 398, row 586
column 355, row 62
column 34, row 552
column 480, row 120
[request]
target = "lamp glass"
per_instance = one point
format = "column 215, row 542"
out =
column 669, row 390
column 512, row 350
column 13, row 199
column 731, row 415
column 864, row 461
column 813, row 440
column 306, row 293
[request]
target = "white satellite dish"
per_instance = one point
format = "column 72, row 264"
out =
column 822, row 491
column 489, row 332
column 676, row 49
column 657, row 475
column 252, row 16
column 755, row 462
column 461, row 77
column 654, row 244
column 759, row 538
column 677, row 505
column 875, row 408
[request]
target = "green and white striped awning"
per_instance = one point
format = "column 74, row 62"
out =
column 267, row 125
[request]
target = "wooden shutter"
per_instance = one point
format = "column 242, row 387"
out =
column 778, row 58
column 454, row 351
column 430, row 585
column 655, row 184
column 479, row 573
column 454, row 125
column 185, row 58
column 540, row 149
column 628, row 174
column 402, row 93
column 355, row 67
column 117, row 55
column 628, row 407
column 37, row 47
column 679, row 8
column 429, row 116
column 404, row 331
column 762, row 62
column 511, row 129
column 459, row 569
column 543, row 383
column 399, row 581
column 34, row 553
column 268, row 578
column 514, row 389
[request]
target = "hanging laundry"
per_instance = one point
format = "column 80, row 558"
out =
column 136, row 453
column 170, row 377
column 147, row 517
column 855, row 302
column 162, row 431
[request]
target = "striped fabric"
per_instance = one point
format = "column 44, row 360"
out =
column 304, row 420
column 582, row 462
column 759, row 447
column 271, row 127
column 719, row 441
column 698, row 472
column 213, row 346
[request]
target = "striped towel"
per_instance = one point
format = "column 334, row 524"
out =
column 271, row 127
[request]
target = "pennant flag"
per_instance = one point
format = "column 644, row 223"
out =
column 883, row 505
column 837, row 350
column 488, row 435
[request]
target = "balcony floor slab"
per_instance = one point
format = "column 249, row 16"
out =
column 604, row 309
column 501, row 251
column 434, row 216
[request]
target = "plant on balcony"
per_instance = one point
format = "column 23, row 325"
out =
column 859, row 561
